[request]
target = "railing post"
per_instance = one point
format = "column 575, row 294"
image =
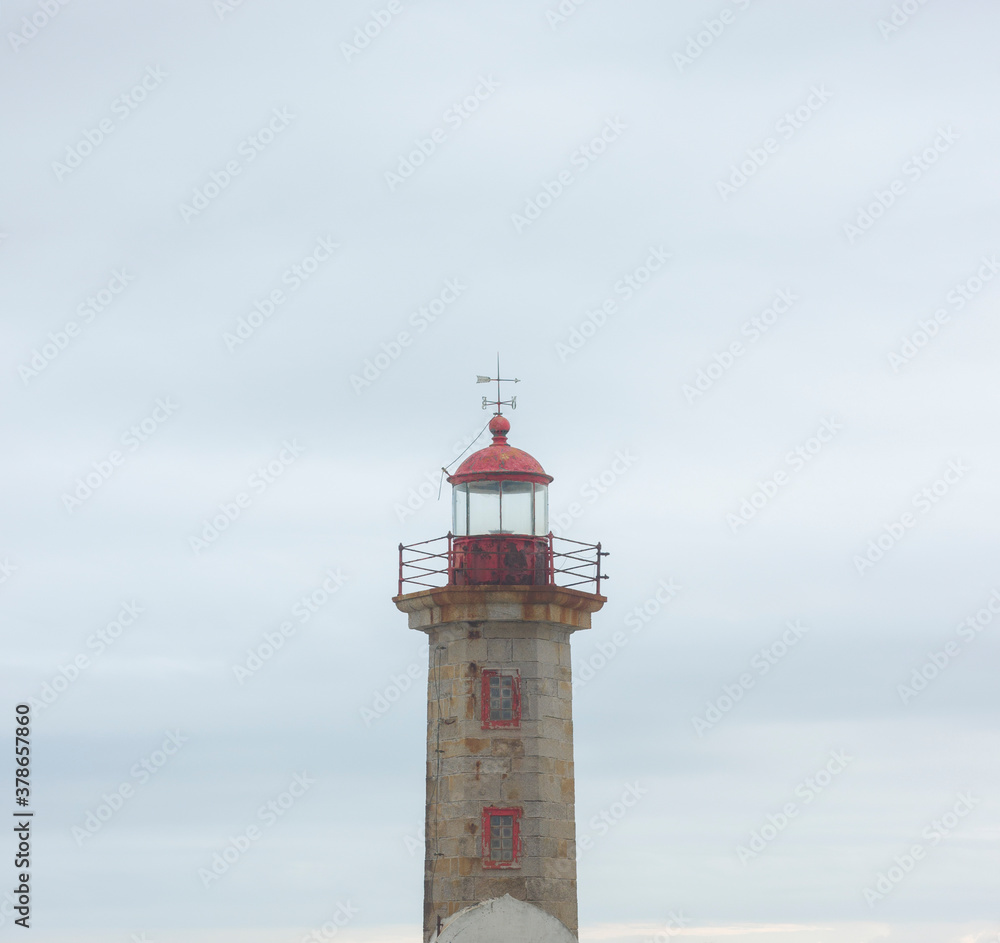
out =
column 550, row 561
column 598, row 568
column 451, row 560
column 400, row 593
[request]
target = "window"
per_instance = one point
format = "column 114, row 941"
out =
column 499, row 507
column 516, row 507
column 541, row 511
column 484, row 507
column 501, row 838
column 501, row 699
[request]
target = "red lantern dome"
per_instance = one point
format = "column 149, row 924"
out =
column 500, row 461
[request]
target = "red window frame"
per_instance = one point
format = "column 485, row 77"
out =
column 488, row 814
column 488, row 675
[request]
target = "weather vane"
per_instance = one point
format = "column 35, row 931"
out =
column 498, row 402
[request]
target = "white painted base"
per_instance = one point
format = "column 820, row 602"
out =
column 501, row 921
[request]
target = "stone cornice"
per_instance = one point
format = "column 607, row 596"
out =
column 556, row 604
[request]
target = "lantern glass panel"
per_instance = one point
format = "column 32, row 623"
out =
column 541, row 510
column 484, row 507
column 460, row 509
column 515, row 507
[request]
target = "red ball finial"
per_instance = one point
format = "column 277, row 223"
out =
column 499, row 427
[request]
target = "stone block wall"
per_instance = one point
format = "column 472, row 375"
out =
column 529, row 767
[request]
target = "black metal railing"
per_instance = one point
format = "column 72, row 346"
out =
column 500, row 560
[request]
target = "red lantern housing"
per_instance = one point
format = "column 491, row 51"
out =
column 500, row 516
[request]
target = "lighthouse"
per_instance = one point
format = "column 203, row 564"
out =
column 499, row 597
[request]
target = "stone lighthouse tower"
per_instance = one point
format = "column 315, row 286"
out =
column 499, row 597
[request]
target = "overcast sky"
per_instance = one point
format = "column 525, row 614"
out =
column 743, row 257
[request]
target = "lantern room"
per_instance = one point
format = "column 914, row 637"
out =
column 500, row 490
column 500, row 515
column 499, row 525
